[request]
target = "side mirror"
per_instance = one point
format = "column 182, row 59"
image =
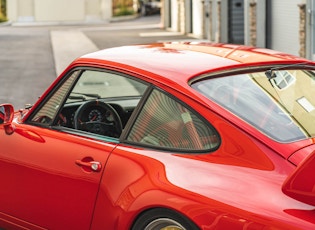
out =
column 6, row 117
column 301, row 184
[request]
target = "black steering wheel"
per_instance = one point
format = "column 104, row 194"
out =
column 98, row 117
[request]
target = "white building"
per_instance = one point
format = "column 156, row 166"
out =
column 59, row 11
column 282, row 25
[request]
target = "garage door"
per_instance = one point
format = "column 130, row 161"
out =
column 236, row 21
column 284, row 25
column 311, row 28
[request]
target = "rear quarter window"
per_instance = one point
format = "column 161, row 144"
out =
column 165, row 123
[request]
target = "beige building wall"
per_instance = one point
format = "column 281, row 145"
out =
column 18, row 10
column 93, row 10
column 59, row 10
column 26, row 8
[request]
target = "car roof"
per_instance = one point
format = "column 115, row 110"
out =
column 175, row 64
column 181, row 61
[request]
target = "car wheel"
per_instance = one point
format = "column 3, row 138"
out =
column 163, row 219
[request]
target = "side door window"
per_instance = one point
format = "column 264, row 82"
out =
column 165, row 123
column 48, row 111
column 92, row 103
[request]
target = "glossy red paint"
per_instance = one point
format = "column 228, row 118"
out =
column 302, row 154
column 48, row 183
column 207, row 57
column 151, row 63
column 296, row 186
column 44, row 180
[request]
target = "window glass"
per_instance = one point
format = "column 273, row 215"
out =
column 282, row 105
column 47, row 113
column 165, row 123
column 92, row 102
column 105, row 85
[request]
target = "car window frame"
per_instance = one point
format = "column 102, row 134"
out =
column 138, row 110
column 130, row 123
column 89, row 135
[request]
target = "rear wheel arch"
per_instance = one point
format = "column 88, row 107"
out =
column 158, row 218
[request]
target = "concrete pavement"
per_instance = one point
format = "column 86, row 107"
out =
column 77, row 44
column 31, row 56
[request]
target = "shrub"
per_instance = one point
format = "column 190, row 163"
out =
column 122, row 11
column 3, row 17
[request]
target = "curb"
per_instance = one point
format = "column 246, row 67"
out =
column 113, row 19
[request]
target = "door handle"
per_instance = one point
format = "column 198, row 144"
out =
column 89, row 166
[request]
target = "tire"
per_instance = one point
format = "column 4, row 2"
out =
column 159, row 218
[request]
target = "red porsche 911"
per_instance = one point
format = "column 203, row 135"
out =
column 174, row 135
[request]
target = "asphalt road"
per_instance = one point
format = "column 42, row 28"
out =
column 31, row 56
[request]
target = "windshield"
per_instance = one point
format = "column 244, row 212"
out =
column 281, row 106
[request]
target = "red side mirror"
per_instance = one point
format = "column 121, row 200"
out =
column 301, row 184
column 6, row 117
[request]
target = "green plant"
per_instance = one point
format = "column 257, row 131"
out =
column 123, row 8
column 3, row 17
column 124, row 11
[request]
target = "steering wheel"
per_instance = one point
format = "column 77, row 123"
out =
column 98, row 117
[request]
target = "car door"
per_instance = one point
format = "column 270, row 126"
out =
column 50, row 178
column 46, row 180
column 52, row 163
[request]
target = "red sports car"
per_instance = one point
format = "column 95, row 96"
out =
column 175, row 135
